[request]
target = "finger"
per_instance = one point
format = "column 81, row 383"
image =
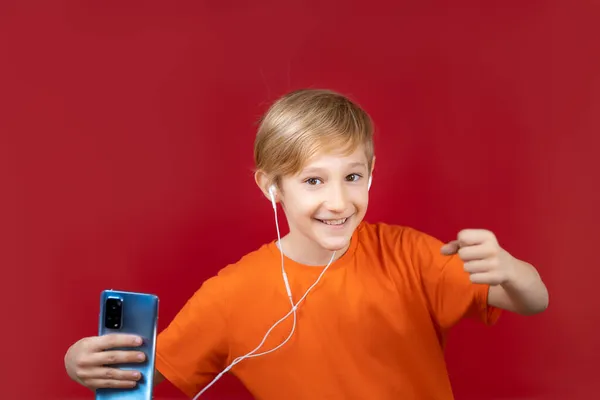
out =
column 469, row 237
column 450, row 248
column 478, row 252
column 478, row 266
column 108, row 384
column 487, row 278
column 111, row 341
column 113, row 357
column 109, row 374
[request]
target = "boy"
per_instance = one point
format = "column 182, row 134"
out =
column 373, row 327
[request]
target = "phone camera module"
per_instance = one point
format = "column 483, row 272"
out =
column 113, row 313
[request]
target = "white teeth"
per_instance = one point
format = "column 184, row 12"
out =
column 334, row 221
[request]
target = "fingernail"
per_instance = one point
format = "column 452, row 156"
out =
column 135, row 375
column 137, row 341
column 140, row 356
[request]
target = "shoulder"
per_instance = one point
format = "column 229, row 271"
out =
column 246, row 274
column 403, row 245
column 230, row 287
column 406, row 237
column 254, row 263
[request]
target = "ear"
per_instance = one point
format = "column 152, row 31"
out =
column 264, row 182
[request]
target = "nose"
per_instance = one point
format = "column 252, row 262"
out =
column 337, row 198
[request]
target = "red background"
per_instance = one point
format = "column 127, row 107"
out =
column 126, row 136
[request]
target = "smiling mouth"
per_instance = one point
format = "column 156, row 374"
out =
column 333, row 222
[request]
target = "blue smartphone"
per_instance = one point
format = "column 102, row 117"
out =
column 137, row 314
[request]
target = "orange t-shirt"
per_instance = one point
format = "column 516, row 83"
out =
column 373, row 328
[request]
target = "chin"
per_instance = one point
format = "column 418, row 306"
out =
column 334, row 244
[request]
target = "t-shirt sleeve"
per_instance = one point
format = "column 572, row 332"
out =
column 194, row 348
column 450, row 293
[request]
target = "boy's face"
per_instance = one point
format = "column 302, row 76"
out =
column 327, row 200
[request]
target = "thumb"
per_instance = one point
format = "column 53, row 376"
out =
column 450, row 248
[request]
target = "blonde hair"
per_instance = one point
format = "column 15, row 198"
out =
column 306, row 122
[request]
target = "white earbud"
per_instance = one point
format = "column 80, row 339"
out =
column 370, row 181
column 272, row 194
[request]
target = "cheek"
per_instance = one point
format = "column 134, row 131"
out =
column 360, row 199
column 308, row 208
column 301, row 208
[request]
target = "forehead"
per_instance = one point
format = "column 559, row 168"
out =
column 337, row 159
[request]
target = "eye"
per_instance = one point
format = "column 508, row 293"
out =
column 353, row 177
column 313, row 181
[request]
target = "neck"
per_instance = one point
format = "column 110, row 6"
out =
column 305, row 251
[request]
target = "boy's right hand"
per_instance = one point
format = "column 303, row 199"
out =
column 89, row 361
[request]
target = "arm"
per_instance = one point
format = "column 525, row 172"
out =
column 514, row 284
column 448, row 289
column 523, row 292
column 194, row 347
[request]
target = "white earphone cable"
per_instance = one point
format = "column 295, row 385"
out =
column 293, row 309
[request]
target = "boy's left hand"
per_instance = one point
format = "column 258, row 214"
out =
column 484, row 259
